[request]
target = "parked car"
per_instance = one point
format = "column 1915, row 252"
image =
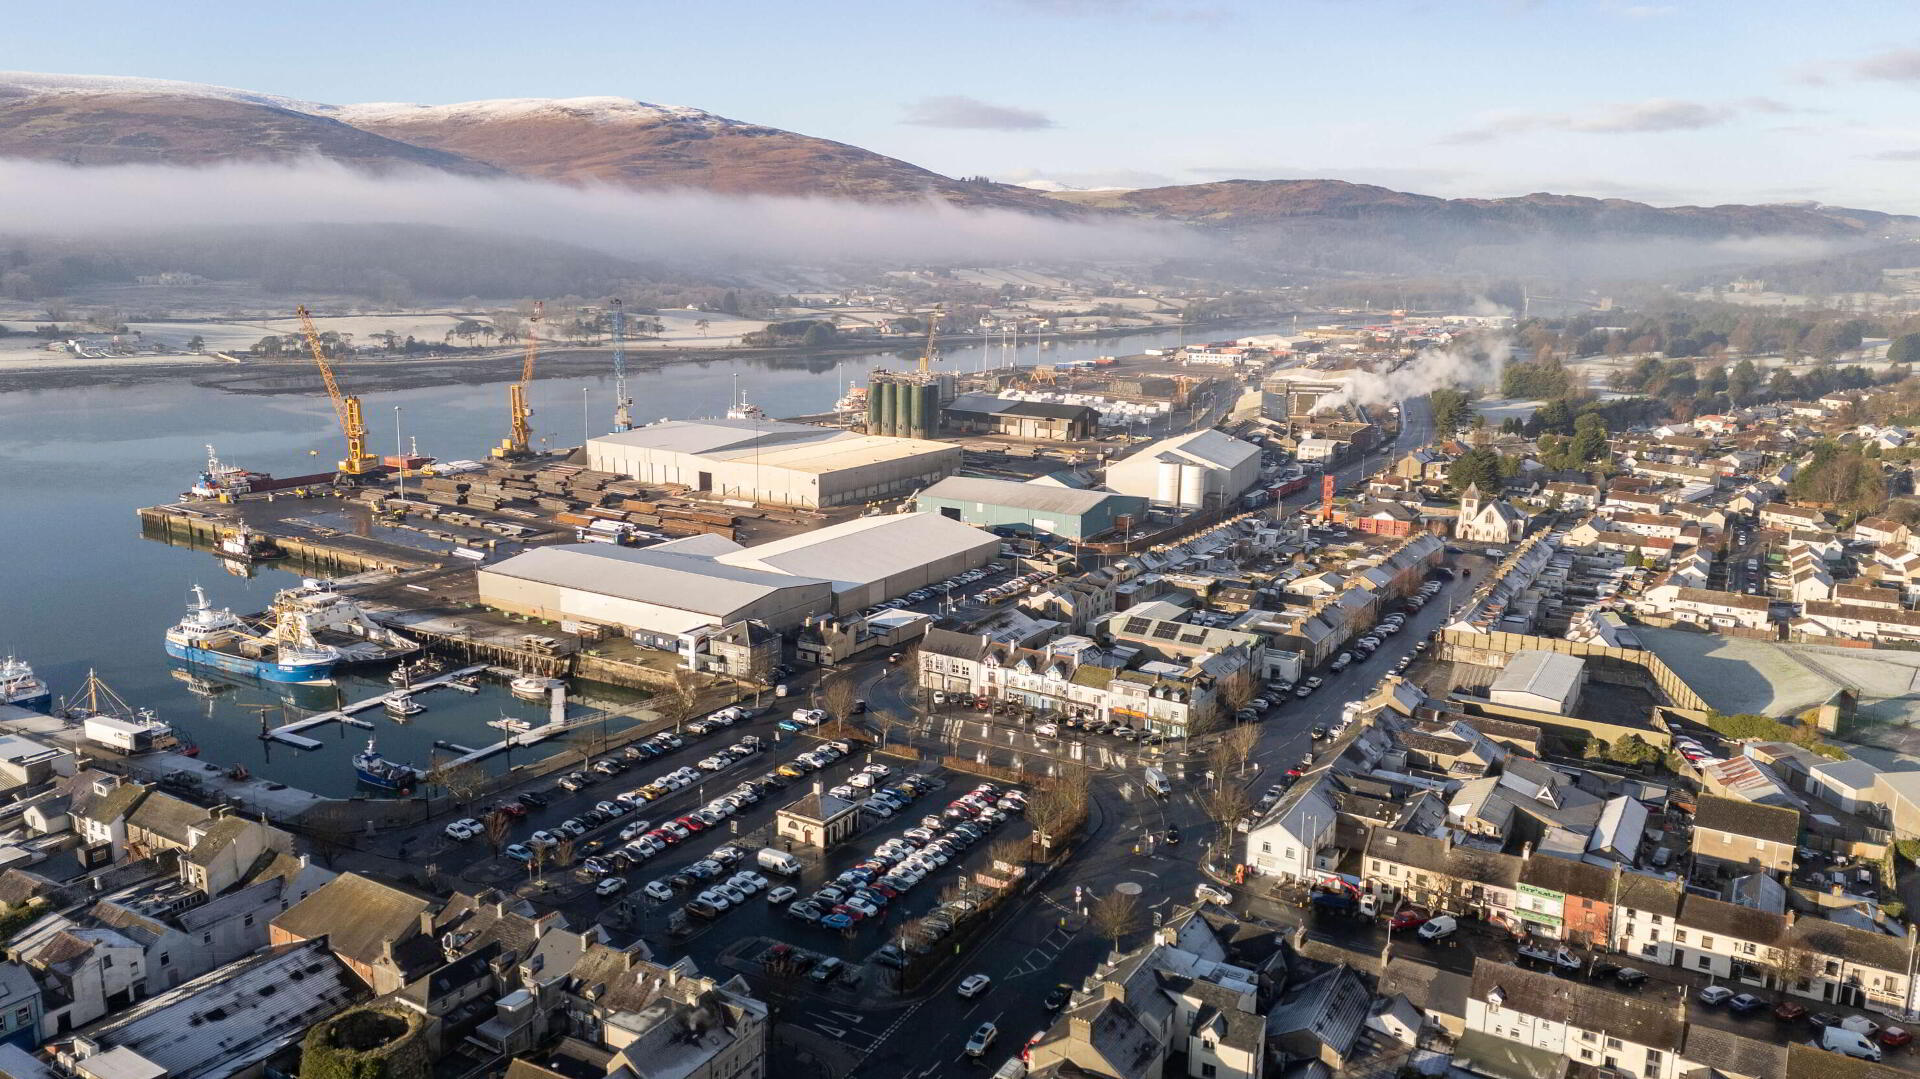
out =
column 1439, row 927
column 1715, row 994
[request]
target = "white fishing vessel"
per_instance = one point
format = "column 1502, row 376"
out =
column 314, row 616
column 403, row 704
column 529, row 685
column 20, row 687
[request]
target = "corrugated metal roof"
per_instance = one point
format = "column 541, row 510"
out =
column 649, row 575
column 1040, row 498
column 1207, row 446
column 1547, row 674
column 798, row 446
column 865, row 549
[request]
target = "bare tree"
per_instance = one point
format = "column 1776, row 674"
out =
column 499, row 825
column 537, row 864
column 676, row 702
column 839, row 695
column 1240, row 743
column 1226, row 803
column 462, row 781
column 1010, row 851
column 563, row 852
column 1115, row 915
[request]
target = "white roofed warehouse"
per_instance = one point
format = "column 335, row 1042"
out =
column 785, row 464
column 1542, row 681
column 683, row 590
column 660, row 590
column 1193, row 471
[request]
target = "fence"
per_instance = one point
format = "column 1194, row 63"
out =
column 1605, row 663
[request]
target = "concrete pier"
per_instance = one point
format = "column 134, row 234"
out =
column 290, row 733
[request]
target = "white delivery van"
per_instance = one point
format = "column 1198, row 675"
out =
column 1157, row 782
column 1838, row 1039
column 778, row 861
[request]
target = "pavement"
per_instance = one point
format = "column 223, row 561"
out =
column 861, row 1025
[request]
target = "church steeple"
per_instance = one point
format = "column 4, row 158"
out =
column 1470, row 502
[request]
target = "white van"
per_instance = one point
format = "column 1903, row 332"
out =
column 1838, row 1039
column 1157, row 782
column 777, row 861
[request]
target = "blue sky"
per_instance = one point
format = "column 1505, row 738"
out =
column 1684, row 101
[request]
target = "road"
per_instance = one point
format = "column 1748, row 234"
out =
column 860, row 1025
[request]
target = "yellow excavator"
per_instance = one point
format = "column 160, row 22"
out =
column 358, row 462
column 519, row 441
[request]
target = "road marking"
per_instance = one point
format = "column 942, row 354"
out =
column 850, row 1017
column 835, row 1031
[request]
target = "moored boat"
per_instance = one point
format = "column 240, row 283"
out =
column 377, row 771
column 20, row 687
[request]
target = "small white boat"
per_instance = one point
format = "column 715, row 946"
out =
column 468, row 684
column 403, row 704
column 528, row 685
column 514, row 726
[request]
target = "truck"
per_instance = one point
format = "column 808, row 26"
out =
column 777, row 861
column 1157, row 782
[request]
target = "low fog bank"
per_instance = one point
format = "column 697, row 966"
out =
column 669, row 226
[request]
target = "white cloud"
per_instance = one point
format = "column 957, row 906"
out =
column 1653, row 115
column 958, row 110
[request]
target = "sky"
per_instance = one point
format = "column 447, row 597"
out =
column 1688, row 101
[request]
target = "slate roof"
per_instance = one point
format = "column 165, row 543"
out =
column 1644, row 1020
column 1732, row 920
column 1568, row 877
column 217, row 837
column 1735, row 1054
column 167, row 816
column 1776, row 824
column 359, row 916
column 1655, row 895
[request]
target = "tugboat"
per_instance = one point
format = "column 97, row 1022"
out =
column 377, row 771
column 403, row 704
column 21, row 688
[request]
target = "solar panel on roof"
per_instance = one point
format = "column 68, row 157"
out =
column 1196, row 637
column 1167, row 630
column 1138, row 625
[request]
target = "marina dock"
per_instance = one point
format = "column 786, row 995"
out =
column 290, row 733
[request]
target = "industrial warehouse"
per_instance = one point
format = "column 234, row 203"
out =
column 1068, row 512
column 679, row 592
column 1200, row 470
column 783, row 464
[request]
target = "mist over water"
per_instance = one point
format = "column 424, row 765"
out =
column 674, row 225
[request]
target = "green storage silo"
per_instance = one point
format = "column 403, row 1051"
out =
column 874, row 421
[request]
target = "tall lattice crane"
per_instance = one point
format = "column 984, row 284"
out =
column 358, row 462
column 519, row 440
column 622, row 404
column 931, row 353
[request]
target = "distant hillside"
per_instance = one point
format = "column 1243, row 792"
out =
column 1255, row 203
column 106, row 120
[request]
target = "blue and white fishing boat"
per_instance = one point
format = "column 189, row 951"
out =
column 377, row 771
column 215, row 637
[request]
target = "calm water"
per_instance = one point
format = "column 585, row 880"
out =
column 80, row 588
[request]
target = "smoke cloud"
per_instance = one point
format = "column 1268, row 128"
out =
column 1432, row 369
column 676, row 225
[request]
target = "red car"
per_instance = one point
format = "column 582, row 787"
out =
column 842, row 908
column 691, row 824
column 511, row 809
column 1895, row 1037
column 1410, row 919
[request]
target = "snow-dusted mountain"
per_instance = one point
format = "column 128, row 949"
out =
column 105, row 120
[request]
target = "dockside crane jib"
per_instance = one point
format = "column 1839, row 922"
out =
column 519, row 440
column 358, row 462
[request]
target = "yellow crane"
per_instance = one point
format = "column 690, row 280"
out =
column 519, row 440
column 358, row 462
column 928, row 355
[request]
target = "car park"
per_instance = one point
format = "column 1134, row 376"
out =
column 610, row 886
column 464, row 829
column 782, row 895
